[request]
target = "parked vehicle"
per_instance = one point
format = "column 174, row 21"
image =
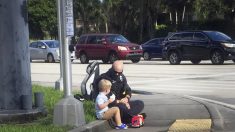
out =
column 47, row 50
column 152, row 48
column 107, row 47
column 199, row 45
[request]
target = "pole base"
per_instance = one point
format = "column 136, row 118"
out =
column 69, row 111
column 21, row 116
column 59, row 84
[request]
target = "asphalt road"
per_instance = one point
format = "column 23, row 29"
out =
column 216, row 82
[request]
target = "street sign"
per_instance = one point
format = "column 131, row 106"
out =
column 69, row 25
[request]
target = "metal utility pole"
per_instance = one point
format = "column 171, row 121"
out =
column 15, row 79
column 68, row 111
column 59, row 82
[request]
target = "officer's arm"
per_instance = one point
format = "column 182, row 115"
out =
column 127, row 88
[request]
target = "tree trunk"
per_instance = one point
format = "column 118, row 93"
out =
column 141, row 20
column 106, row 27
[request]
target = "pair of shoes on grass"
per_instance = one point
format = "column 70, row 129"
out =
column 122, row 126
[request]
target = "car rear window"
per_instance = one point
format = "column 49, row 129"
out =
column 153, row 42
column 82, row 40
column 175, row 37
column 34, row 45
column 187, row 36
column 53, row 44
column 91, row 40
column 199, row 37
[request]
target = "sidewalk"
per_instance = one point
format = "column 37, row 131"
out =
column 164, row 113
column 169, row 113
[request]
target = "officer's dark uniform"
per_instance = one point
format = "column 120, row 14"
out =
column 120, row 89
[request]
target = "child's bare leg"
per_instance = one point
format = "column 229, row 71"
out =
column 113, row 112
column 117, row 116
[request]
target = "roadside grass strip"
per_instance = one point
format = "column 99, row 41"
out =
column 191, row 125
column 45, row 124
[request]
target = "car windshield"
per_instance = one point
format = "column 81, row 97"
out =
column 117, row 39
column 218, row 36
column 53, row 44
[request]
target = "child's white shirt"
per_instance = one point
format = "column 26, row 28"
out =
column 100, row 99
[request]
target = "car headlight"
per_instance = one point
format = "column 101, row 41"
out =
column 141, row 47
column 122, row 48
column 228, row 45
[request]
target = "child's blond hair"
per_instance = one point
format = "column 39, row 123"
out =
column 104, row 85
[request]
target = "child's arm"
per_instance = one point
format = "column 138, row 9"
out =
column 105, row 104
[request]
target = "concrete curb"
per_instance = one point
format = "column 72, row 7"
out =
column 211, row 101
column 95, row 126
column 218, row 121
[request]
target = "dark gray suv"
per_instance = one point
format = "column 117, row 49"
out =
column 198, row 45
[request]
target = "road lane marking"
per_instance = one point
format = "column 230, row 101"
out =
column 164, row 89
column 211, row 101
column 180, row 78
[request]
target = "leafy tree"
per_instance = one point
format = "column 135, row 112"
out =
column 90, row 13
column 209, row 9
column 42, row 18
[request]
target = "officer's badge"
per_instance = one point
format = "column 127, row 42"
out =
column 124, row 93
column 121, row 78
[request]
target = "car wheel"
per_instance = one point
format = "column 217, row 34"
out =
column 146, row 56
column 217, row 58
column 174, row 58
column 105, row 61
column 112, row 57
column 84, row 59
column 50, row 58
column 195, row 61
column 136, row 60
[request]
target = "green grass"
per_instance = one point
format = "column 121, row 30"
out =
column 45, row 124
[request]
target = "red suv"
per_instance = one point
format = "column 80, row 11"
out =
column 107, row 47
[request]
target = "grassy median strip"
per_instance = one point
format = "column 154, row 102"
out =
column 44, row 124
column 191, row 125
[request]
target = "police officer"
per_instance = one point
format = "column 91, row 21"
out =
column 122, row 92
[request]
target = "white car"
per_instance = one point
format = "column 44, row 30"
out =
column 47, row 50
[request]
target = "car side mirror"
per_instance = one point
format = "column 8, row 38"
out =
column 43, row 47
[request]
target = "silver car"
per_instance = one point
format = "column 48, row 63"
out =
column 47, row 50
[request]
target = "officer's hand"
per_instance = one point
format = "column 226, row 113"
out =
column 124, row 100
column 127, row 105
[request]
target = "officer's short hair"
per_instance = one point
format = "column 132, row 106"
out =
column 104, row 85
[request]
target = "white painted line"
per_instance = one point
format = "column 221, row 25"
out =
column 164, row 89
column 211, row 101
column 184, row 86
column 179, row 78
